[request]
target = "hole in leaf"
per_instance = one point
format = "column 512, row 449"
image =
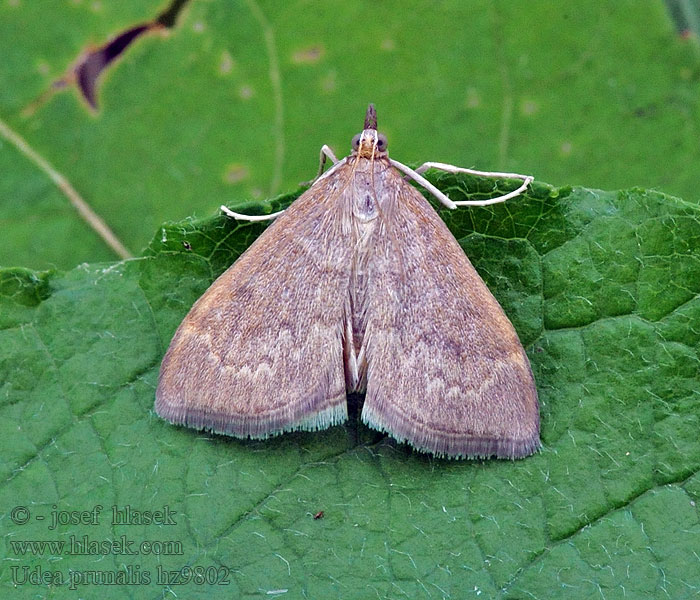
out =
column 91, row 64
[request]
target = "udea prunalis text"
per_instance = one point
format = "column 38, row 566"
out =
column 357, row 286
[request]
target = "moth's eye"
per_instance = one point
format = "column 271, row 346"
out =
column 356, row 142
column 381, row 142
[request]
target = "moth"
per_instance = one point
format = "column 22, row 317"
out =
column 357, row 286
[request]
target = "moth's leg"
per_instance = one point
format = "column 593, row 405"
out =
column 325, row 153
column 527, row 179
column 242, row 217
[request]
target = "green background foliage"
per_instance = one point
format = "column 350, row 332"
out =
column 231, row 105
column 234, row 102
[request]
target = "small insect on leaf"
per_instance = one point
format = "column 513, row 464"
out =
column 358, row 286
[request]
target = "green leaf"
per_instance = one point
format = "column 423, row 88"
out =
column 234, row 101
column 603, row 288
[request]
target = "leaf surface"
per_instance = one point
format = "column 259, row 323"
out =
column 603, row 288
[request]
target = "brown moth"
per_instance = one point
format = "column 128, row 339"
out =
column 357, row 286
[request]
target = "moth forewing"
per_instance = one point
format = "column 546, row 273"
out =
column 261, row 352
column 446, row 371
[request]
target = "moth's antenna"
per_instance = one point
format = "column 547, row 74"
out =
column 371, row 123
column 420, row 180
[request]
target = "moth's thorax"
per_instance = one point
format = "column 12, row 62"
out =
column 367, row 187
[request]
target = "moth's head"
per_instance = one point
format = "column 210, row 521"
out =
column 369, row 143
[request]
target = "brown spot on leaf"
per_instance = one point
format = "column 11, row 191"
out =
column 245, row 92
column 328, row 83
column 312, row 54
column 226, row 64
column 236, row 173
column 473, row 99
column 529, row 107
